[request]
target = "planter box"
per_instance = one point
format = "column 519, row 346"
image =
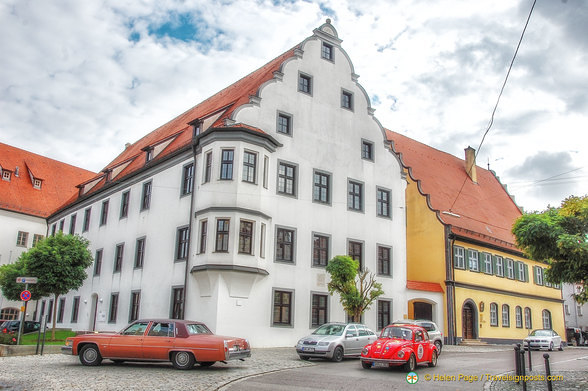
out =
column 26, row 350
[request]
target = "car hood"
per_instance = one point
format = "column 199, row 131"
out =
column 320, row 338
column 532, row 338
column 384, row 346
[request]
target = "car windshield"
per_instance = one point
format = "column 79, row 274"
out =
column 397, row 332
column 197, row 328
column 541, row 333
column 330, row 329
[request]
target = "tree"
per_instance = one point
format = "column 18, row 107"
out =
column 357, row 289
column 558, row 237
column 59, row 262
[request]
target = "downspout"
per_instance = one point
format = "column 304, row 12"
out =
column 450, row 284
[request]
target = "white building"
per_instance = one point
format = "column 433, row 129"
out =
column 228, row 213
column 576, row 315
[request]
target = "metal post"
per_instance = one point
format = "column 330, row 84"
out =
column 523, row 369
column 530, row 365
column 44, row 333
column 548, row 372
column 517, row 351
column 39, row 337
column 22, row 318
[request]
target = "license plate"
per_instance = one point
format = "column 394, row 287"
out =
column 308, row 349
column 381, row 365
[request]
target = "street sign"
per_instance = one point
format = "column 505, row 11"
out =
column 26, row 280
column 25, row 295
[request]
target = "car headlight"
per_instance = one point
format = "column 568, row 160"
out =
column 365, row 351
column 400, row 354
column 300, row 342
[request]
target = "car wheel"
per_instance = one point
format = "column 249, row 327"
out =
column 550, row 346
column 183, row 360
column 366, row 365
column 305, row 358
column 90, row 355
column 338, row 354
column 207, row 363
column 410, row 364
column 560, row 346
column 438, row 345
column 433, row 362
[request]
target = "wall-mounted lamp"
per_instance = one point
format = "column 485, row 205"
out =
column 85, row 301
column 101, row 300
column 481, row 306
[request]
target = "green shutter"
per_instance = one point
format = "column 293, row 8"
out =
column 481, row 262
column 526, row 276
column 494, row 265
column 516, row 270
column 466, row 259
column 535, row 275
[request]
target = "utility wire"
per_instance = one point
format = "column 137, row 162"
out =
column 469, row 170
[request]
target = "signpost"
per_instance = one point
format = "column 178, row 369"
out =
column 25, row 296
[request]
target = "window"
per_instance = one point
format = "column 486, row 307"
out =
column 72, row 224
column 509, row 268
column 579, row 310
column 473, row 260
column 321, row 187
column 61, row 224
column 522, row 275
column 285, row 245
column 208, row 167
column 519, row 317
column 98, row 262
column 347, row 100
column 227, row 164
column 50, row 311
column 22, row 239
column 265, row 171
column 53, row 229
column 37, row 238
column 384, row 312
column 124, row 204
column 320, row 250
column 355, row 196
column 118, row 257
column 113, row 308
column 245, row 237
column 567, row 309
column 505, row 315
column 139, row 253
column 148, row 155
column 60, row 310
column 104, row 212
column 87, row 214
column 487, row 259
column 188, row 179
column 367, row 150
column 6, row 175
column 284, row 124
column 249, row 167
column 262, row 241
column 37, row 183
column 528, row 324
column 75, row 309
column 305, row 83
column 42, row 311
column 135, row 302
column 384, row 261
column 182, row 244
column 146, row 196
column 383, row 203
column 493, row 314
column 282, row 308
column 458, row 257
column 320, row 310
column 222, row 235
column 538, row 277
column 177, row 308
column 327, row 51
column 355, row 251
column 546, row 318
column 286, row 179
column 203, row 234
column 499, row 267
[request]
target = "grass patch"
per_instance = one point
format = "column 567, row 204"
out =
column 60, row 336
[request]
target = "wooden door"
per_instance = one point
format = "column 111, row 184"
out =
column 468, row 322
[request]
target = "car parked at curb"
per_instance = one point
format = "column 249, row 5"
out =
column 435, row 334
column 182, row 342
column 400, row 345
column 335, row 340
column 14, row 325
column 543, row 338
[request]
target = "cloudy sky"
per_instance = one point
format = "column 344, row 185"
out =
column 79, row 79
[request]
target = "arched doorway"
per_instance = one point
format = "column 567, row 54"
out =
column 93, row 310
column 468, row 321
column 423, row 310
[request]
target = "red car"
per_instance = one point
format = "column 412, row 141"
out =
column 406, row 345
column 182, row 342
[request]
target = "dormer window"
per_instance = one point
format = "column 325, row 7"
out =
column 327, row 51
column 6, row 175
column 196, row 127
column 148, row 155
column 37, row 183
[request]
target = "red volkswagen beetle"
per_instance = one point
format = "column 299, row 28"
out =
column 406, row 345
column 182, row 342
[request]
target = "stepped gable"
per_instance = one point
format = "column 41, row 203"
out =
column 484, row 211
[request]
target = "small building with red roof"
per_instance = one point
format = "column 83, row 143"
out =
column 464, row 269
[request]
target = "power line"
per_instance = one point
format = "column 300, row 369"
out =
column 496, row 105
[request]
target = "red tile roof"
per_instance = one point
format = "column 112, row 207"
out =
column 424, row 286
column 59, row 182
column 486, row 211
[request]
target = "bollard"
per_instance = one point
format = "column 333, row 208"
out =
column 529, row 347
column 523, row 369
column 517, row 350
column 548, row 372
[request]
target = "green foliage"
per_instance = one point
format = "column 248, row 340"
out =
column 558, row 237
column 357, row 289
column 10, row 288
column 8, row 338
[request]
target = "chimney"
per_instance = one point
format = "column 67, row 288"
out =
column 127, row 145
column 470, row 163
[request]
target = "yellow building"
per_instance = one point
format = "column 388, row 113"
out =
column 464, row 270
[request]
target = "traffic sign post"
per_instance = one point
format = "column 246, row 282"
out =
column 24, row 296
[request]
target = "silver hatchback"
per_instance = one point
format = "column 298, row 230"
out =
column 335, row 340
